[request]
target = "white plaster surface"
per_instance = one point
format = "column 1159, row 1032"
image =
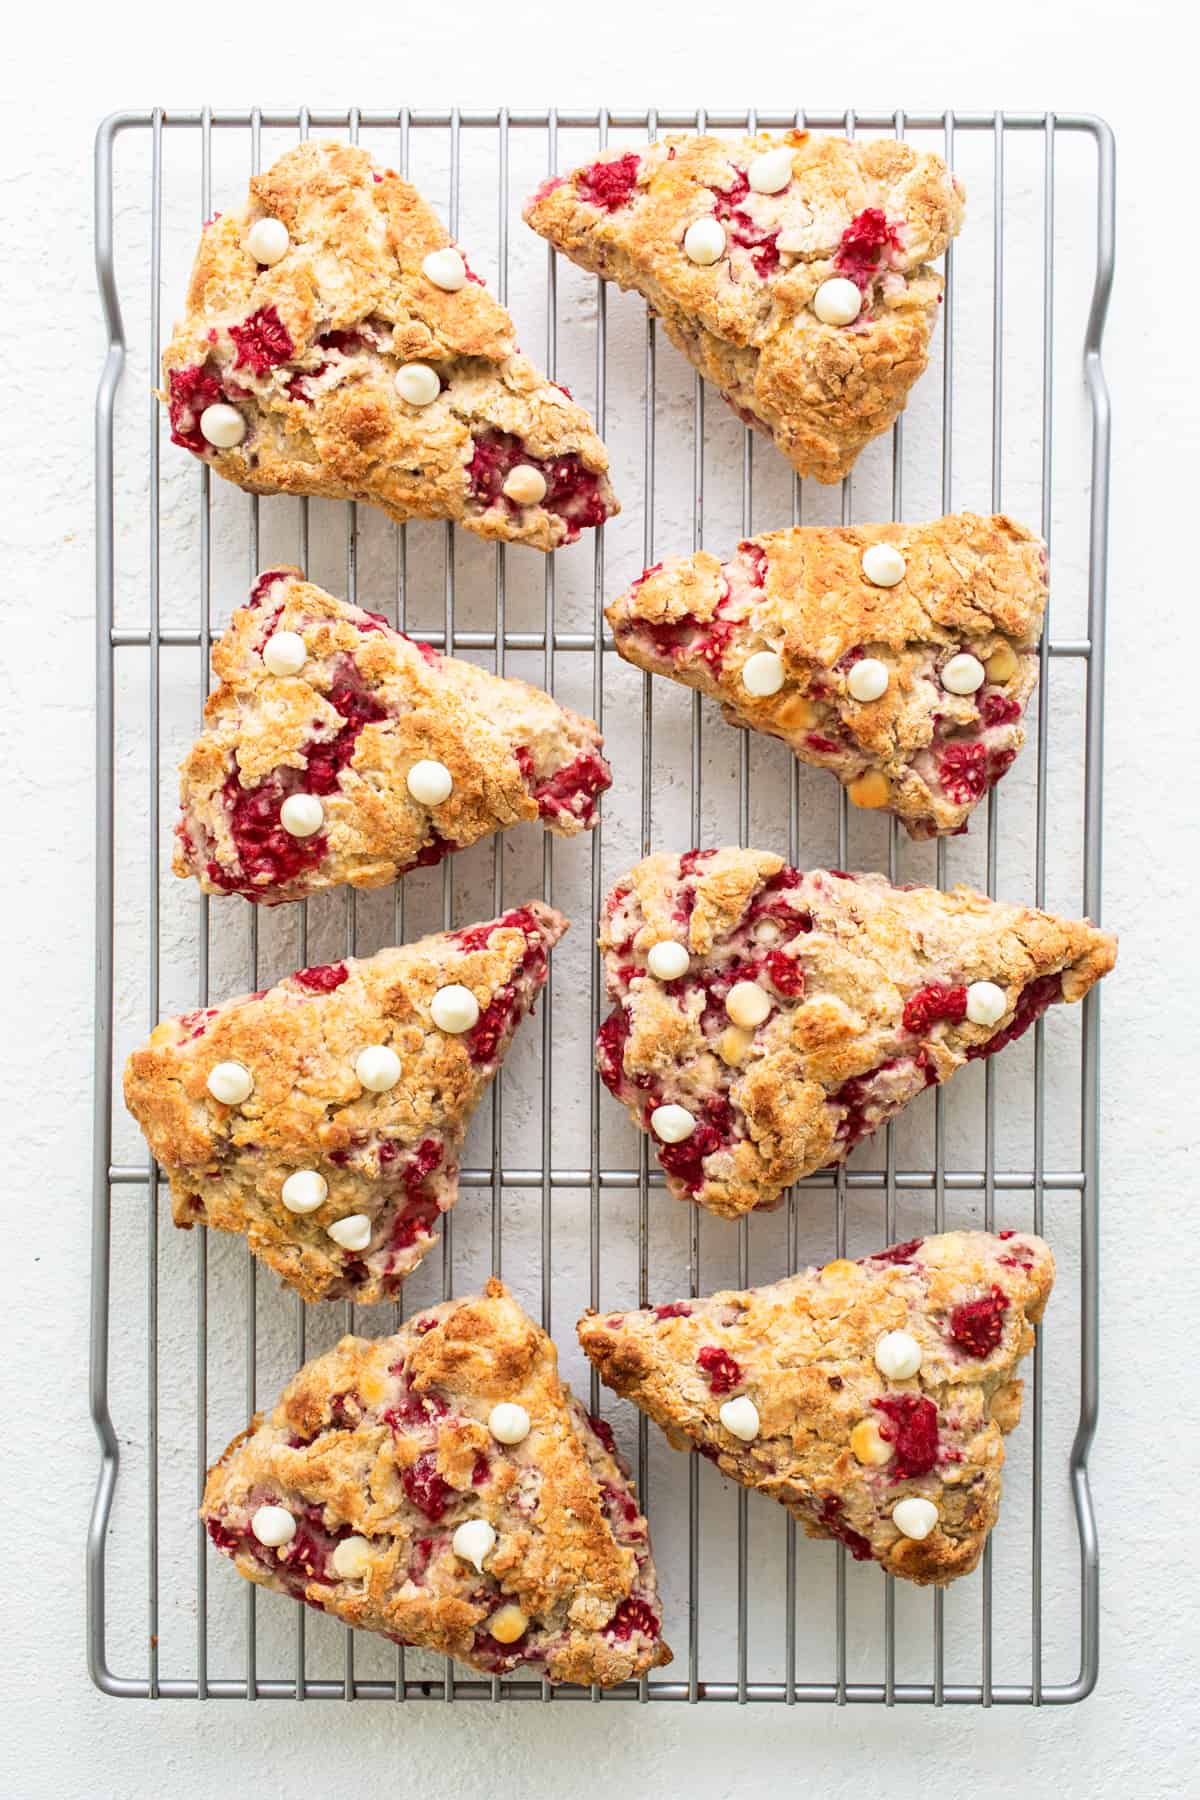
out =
column 1137, row 1735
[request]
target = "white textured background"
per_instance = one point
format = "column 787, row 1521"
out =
column 1138, row 1733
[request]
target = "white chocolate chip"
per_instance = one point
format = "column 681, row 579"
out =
column 351, row 1558
column 352, row 1233
column 771, row 172
column 883, row 565
column 445, row 268
column 762, row 674
column 986, row 1003
column 377, row 1067
column 304, row 1191
column 429, row 782
column 766, row 932
column 302, row 815
column 267, row 241
column 508, row 1422
column 473, row 1540
column 672, row 1123
column 704, row 241
column 284, row 653
column 748, row 1004
column 897, row 1355
column 223, row 426
column 868, row 679
column 740, row 1416
column 454, row 1008
column 963, row 674
column 837, row 301
column 507, row 1625
column 230, row 1083
column 525, row 485
column 273, row 1526
column 914, row 1517
column 668, row 961
column 417, row 383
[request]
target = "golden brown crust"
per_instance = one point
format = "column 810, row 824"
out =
column 867, row 989
column 803, row 1352
column 971, row 584
column 368, row 704
column 388, row 1440
column 746, row 321
column 344, row 309
column 391, row 1156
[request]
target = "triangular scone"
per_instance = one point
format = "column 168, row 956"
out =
column 785, row 1389
column 911, row 692
column 371, row 756
column 766, row 1020
column 869, row 217
column 323, row 1118
column 379, row 1492
column 302, row 354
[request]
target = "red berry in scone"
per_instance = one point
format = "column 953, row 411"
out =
column 323, row 1119
column 338, row 750
column 899, row 657
column 444, row 1487
column 337, row 343
column 871, row 1398
column 792, row 271
column 766, row 1020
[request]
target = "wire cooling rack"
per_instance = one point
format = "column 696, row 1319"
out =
column 187, row 1333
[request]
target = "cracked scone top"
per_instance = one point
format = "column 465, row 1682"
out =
column 869, row 1398
column 402, row 755
column 868, row 679
column 367, row 362
column 379, row 1452
column 843, row 221
column 794, row 1013
column 323, row 1119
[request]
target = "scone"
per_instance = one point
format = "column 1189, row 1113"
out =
column 336, row 343
column 765, row 1021
column 792, row 271
column 445, row 1488
column 870, row 1398
column 338, row 750
column 900, row 657
column 323, row 1119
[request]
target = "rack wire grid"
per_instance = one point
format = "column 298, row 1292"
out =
column 557, row 1193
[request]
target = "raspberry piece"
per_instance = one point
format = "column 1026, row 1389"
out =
column 923, row 1009
column 610, row 184
column 674, row 1309
column 190, row 392
column 323, row 978
column 425, row 1487
column 912, row 1427
column 963, row 771
column 860, row 253
column 896, row 1254
column 787, row 977
column 1035, row 998
column 631, row 1616
column 977, row 1325
column 604, row 1432
column 722, row 1371
column 998, row 709
column 855, row 1542
column 263, row 341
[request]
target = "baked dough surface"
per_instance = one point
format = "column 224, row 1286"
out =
column 971, row 584
column 307, row 352
column 867, row 990
column 839, row 1444
column 387, row 1440
column 877, row 214
column 368, row 704
column 391, row 1156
